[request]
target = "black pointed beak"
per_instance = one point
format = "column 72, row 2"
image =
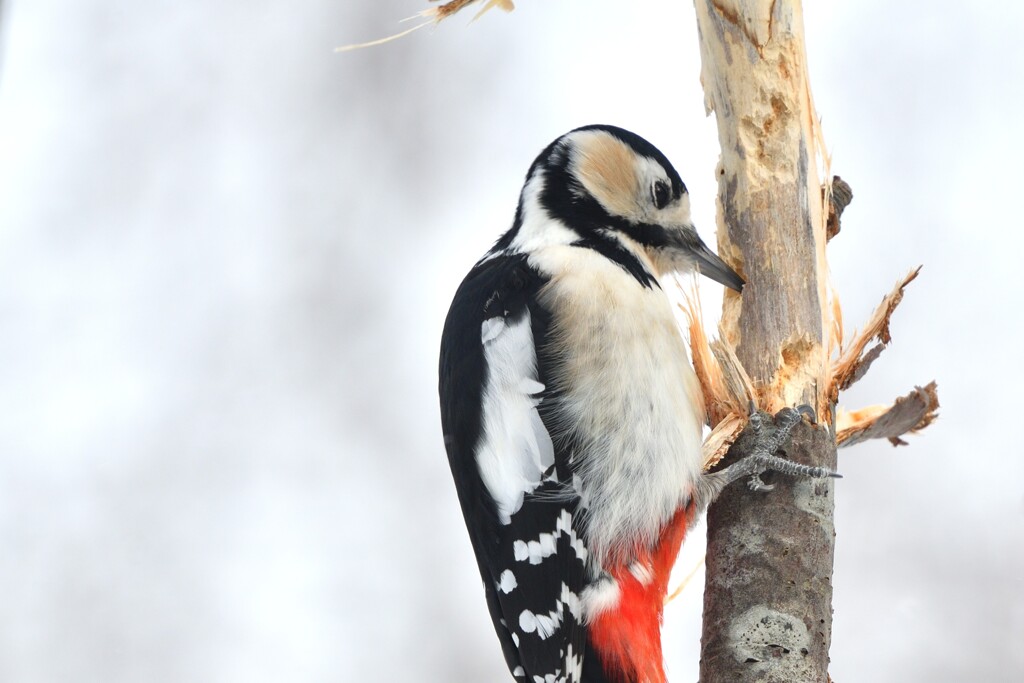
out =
column 709, row 264
column 683, row 244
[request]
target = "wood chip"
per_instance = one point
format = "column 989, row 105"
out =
column 721, row 437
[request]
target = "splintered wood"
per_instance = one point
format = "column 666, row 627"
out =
column 721, row 438
column 724, row 383
column 907, row 415
column 728, row 390
column 853, row 361
column 447, row 9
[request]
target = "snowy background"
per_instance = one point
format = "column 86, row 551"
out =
column 226, row 254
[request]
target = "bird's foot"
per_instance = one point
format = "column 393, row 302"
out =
column 761, row 456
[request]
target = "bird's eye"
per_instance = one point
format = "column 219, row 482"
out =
column 660, row 194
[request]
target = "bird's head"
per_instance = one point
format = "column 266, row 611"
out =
column 602, row 185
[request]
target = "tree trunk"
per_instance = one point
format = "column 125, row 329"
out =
column 767, row 604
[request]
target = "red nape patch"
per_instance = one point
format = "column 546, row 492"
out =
column 627, row 637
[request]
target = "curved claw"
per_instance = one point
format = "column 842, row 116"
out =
column 755, row 420
column 807, row 410
column 755, row 483
column 795, row 414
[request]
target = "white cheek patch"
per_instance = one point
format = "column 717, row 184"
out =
column 515, row 449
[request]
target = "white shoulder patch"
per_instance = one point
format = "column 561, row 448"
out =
column 490, row 329
column 515, row 448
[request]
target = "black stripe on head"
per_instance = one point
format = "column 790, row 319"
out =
column 613, row 250
column 565, row 199
column 644, row 233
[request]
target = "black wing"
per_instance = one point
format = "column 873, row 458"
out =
column 514, row 484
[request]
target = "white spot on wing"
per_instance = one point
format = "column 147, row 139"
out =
column 508, row 582
column 516, row 448
column 564, row 526
column 572, row 601
column 573, row 666
column 538, row 550
column 527, row 621
column 547, row 543
column 518, row 671
column 545, row 625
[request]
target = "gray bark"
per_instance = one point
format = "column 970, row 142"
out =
column 768, row 597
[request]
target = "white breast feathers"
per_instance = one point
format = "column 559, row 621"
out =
column 627, row 395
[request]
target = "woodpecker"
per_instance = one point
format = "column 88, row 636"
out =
column 572, row 416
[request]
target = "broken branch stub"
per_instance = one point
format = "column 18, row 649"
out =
column 853, row 362
column 909, row 414
column 839, row 194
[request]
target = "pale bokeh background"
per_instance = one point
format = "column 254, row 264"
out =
column 225, row 258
